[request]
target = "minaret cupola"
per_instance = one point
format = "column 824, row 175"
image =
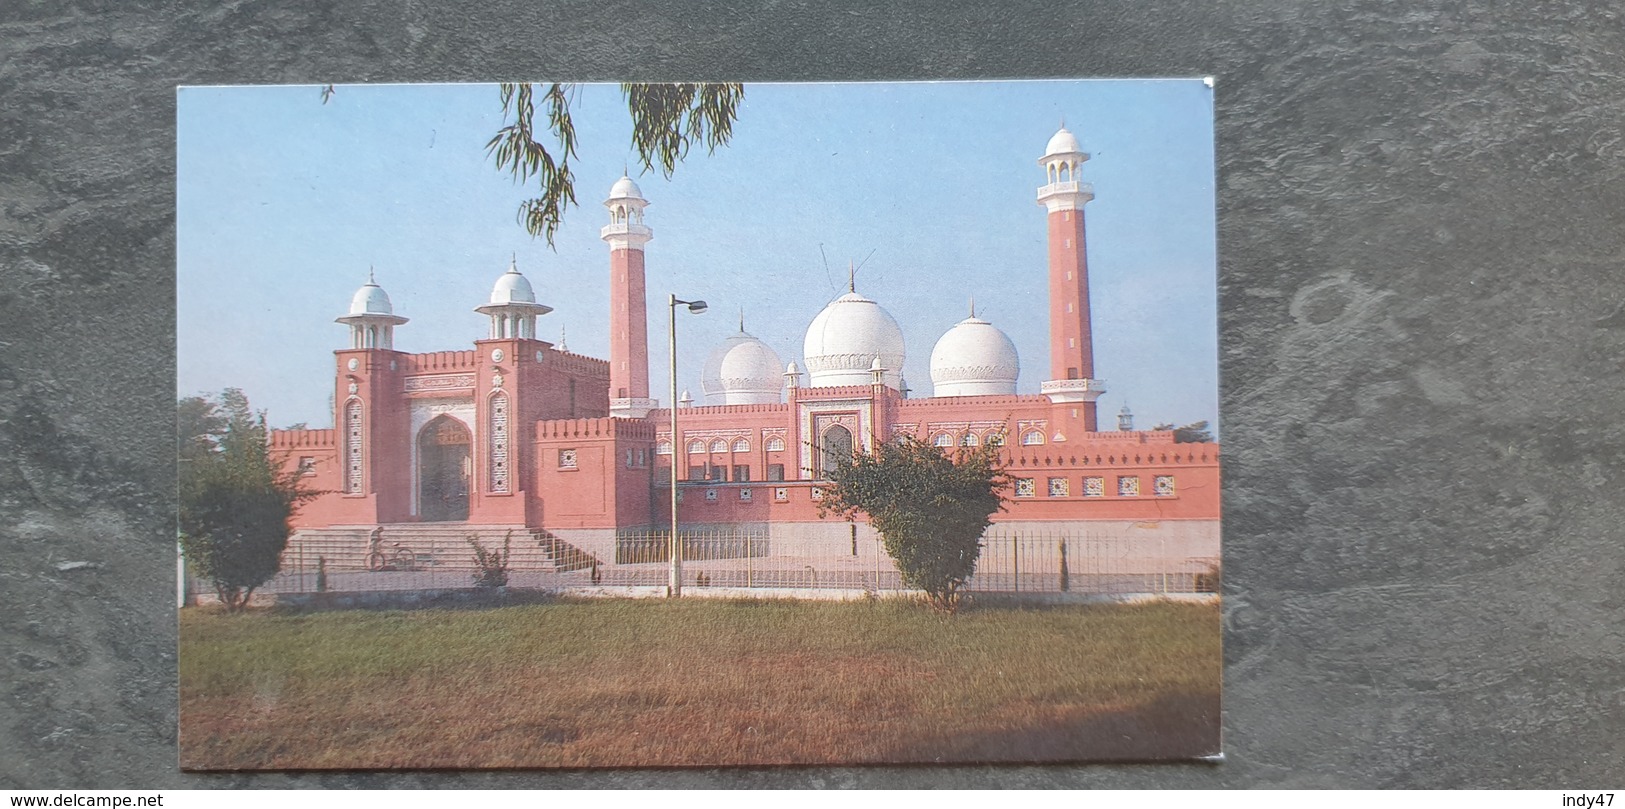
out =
column 513, row 308
column 372, row 319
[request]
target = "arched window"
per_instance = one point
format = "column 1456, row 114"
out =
column 942, row 440
column 970, row 440
column 836, row 450
column 994, row 439
column 696, row 447
column 1032, row 438
column 775, row 444
column 663, row 448
column 741, row 445
column 719, row 445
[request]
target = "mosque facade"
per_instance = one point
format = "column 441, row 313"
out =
column 519, row 433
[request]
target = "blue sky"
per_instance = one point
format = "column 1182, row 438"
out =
column 283, row 203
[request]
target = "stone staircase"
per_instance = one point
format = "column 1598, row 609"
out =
column 438, row 546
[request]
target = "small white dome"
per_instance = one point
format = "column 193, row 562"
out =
column 974, row 359
column 371, row 300
column 846, row 338
column 624, row 187
column 743, row 370
column 1063, row 142
column 512, row 287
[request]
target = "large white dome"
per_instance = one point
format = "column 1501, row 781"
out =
column 371, row 300
column 846, row 338
column 974, row 359
column 743, row 370
column 512, row 287
column 1063, row 142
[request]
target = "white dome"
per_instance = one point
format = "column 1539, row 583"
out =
column 743, row 370
column 624, row 187
column 1063, row 142
column 512, row 287
column 847, row 337
column 974, row 359
column 371, row 300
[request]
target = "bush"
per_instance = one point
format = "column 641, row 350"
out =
column 491, row 567
column 1208, row 581
column 234, row 504
column 929, row 507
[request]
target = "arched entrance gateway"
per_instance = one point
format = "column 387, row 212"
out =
column 837, row 450
column 444, row 467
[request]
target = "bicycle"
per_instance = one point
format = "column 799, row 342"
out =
column 398, row 557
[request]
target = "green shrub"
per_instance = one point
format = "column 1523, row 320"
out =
column 1208, row 580
column 491, row 567
column 930, row 508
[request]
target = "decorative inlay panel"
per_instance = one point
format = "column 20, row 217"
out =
column 425, row 382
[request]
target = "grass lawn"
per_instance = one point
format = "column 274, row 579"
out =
column 656, row 683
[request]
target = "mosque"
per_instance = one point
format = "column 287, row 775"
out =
column 518, row 433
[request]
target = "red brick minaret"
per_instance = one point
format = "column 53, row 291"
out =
column 1071, row 348
column 628, row 306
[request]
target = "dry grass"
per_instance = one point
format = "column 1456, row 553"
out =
column 651, row 683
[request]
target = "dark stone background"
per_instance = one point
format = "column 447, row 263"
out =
column 1423, row 319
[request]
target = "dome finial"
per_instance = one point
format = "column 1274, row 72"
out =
column 513, row 261
column 851, row 277
column 741, row 320
column 973, row 306
column 370, row 280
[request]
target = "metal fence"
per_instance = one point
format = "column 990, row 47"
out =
column 1011, row 561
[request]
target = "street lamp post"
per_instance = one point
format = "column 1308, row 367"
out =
column 675, row 588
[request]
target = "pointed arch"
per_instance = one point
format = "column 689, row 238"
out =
column 835, row 450
column 444, row 465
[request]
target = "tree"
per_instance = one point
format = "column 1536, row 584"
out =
column 1193, row 433
column 930, row 508
column 667, row 119
column 235, row 504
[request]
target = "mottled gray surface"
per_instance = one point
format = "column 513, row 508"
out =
column 1423, row 284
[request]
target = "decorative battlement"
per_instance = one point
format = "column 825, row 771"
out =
column 441, row 361
column 607, row 427
column 663, row 414
column 939, row 401
column 836, row 392
column 1194, row 454
column 300, row 439
column 578, row 364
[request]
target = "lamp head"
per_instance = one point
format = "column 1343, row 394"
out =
column 696, row 307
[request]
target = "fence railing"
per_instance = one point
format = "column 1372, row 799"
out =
column 1093, row 561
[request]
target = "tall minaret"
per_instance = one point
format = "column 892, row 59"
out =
column 628, row 305
column 1071, row 351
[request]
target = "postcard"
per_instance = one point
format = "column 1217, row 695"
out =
column 647, row 425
